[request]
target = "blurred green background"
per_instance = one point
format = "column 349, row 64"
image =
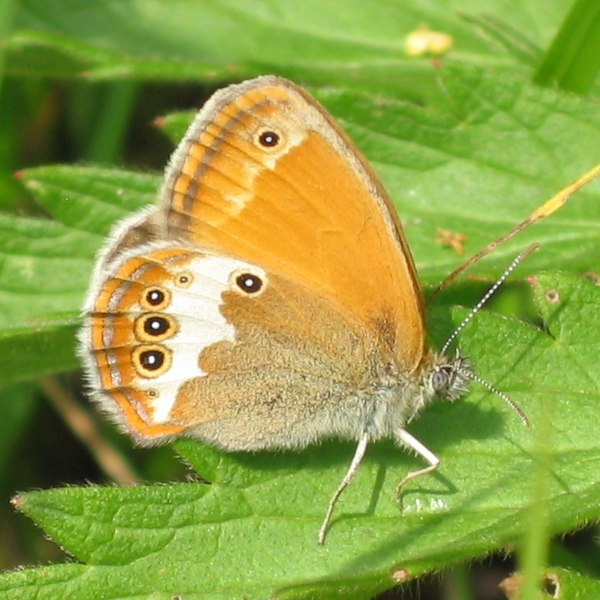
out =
column 83, row 83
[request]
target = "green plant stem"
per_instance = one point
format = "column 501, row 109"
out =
column 8, row 9
column 573, row 59
column 537, row 538
column 111, row 126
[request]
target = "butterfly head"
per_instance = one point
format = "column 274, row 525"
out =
column 449, row 377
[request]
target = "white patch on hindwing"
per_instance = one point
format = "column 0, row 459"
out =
column 196, row 309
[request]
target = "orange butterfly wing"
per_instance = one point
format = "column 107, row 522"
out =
column 265, row 175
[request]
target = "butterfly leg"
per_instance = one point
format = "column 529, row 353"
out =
column 356, row 460
column 406, row 439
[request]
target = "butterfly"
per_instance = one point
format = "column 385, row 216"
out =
column 269, row 299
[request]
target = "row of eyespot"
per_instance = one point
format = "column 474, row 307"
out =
column 151, row 360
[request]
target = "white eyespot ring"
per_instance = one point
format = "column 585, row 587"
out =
column 154, row 327
column 183, row 279
column 269, row 139
column 151, row 360
column 155, row 297
column 247, row 282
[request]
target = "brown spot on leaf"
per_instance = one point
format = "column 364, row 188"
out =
column 452, row 239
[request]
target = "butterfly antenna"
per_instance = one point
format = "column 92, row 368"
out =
column 490, row 388
column 513, row 265
column 472, row 376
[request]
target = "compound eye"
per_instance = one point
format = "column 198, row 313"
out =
column 440, row 379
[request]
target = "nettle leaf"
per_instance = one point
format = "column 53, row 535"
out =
column 45, row 264
column 571, row 584
column 475, row 166
column 186, row 538
column 362, row 46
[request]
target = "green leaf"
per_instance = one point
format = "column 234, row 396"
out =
column 556, row 583
column 514, row 41
column 45, row 264
column 576, row 585
column 186, row 538
column 361, row 44
column 48, row 344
